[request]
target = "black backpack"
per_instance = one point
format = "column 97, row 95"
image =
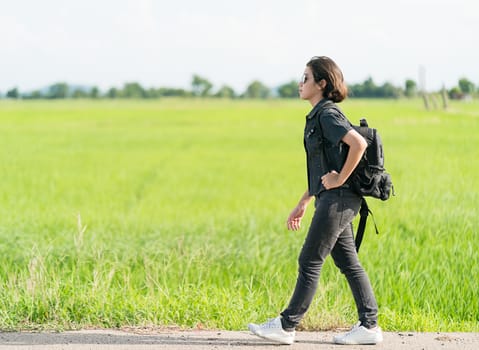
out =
column 370, row 178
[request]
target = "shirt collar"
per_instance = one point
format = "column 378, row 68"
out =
column 317, row 107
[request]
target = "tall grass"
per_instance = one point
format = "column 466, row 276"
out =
column 172, row 212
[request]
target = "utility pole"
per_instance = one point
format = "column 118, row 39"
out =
column 422, row 85
column 444, row 96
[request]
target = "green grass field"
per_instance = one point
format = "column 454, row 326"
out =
column 172, row 212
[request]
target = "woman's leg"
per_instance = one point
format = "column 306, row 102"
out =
column 334, row 212
column 346, row 259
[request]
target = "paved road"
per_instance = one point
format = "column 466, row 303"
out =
column 201, row 340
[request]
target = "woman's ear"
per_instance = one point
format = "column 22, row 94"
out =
column 321, row 85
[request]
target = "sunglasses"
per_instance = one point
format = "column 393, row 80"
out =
column 304, row 79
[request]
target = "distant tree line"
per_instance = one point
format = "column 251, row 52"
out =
column 202, row 87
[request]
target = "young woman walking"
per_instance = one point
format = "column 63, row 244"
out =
column 333, row 150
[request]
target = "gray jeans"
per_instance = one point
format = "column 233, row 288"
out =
column 331, row 232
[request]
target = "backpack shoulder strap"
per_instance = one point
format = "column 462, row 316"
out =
column 324, row 158
column 364, row 211
column 327, row 106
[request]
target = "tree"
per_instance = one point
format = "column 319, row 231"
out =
column 369, row 88
column 288, row 90
column 58, row 90
column 133, row 90
column 226, row 92
column 455, row 93
column 466, row 86
column 257, row 90
column 410, row 88
column 152, row 93
column 13, row 93
column 171, row 92
column 36, row 94
column 388, row 90
column 113, row 93
column 79, row 93
column 94, row 92
column 200, row 86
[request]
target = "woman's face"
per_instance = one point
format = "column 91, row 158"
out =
column 308, row 88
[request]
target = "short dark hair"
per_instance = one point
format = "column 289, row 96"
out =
column 325, row 68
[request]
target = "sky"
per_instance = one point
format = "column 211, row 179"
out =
column 163, row 43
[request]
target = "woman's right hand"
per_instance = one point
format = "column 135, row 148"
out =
column 294, row 219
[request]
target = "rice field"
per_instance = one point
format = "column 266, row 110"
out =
column 172, row 213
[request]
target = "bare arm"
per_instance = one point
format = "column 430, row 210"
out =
column 357, row 146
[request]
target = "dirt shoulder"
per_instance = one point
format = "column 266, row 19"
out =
column 199, row 340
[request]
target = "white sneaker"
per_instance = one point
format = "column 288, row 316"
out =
column 360, row 335
column 273, row 330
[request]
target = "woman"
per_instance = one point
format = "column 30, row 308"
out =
column 333, row 150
